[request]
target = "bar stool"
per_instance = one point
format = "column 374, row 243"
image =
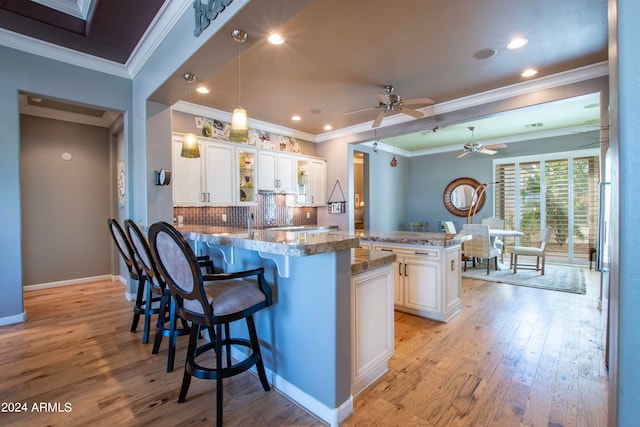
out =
column 167, row 311
column 144, row 300
column 224, row 298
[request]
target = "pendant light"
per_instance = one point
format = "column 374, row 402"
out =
column 190, row 148
column 394, row 162
column 239, row 121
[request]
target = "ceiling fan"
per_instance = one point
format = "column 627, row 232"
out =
column 389, row 102
column 475, row 147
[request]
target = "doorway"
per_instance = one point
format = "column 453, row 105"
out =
column 360, row 190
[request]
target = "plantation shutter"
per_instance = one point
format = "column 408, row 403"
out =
column 562, row 193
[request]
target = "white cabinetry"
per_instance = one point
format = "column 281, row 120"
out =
column 427, row 280
column 311, row 177
column 276, row 171
column 206, row 181
column 371, row 326
column 318, row 185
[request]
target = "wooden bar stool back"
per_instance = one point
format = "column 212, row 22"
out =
column 210, row 302
column 144, row 301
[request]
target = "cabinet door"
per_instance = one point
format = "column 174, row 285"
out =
column 398, row 274
column 318, row 185
column 422, row 283
column 303, row 197
column 220, row 176
column 246, row 163
column 371, row 326
column 188, row 177
column 267, row 170
column 286, row 173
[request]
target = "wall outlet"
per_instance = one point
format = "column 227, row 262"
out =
column 308, row 215
column 224, row 217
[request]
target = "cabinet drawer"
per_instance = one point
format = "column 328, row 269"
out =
column 426, row 253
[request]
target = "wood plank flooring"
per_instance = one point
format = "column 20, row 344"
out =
column 514, row 356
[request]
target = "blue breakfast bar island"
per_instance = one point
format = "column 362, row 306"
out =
column 329, row 333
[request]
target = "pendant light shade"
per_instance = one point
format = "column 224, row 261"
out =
column 239, row 126
column 190, row 148
column 239, row 120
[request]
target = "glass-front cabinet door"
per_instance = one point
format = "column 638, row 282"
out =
column 302, row 185
column 247, row 171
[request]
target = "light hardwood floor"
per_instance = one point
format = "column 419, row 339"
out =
column 514, row 356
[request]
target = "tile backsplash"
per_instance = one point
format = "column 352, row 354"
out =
column 271, row 211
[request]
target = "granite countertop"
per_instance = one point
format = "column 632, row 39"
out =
column 412, row 237
column 364, row 259
column 288, row 241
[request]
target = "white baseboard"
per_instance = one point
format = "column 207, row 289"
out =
column 331, row 416
column 10, row 320
column 68, row 282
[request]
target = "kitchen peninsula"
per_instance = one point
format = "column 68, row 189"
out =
column 312, row 336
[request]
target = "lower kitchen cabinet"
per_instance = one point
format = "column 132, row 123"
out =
column 426, row 280
column 371, row 326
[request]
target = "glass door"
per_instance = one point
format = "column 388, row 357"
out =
column 247, row 172
column 302, row 185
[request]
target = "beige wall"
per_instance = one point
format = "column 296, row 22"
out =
column 65, row 204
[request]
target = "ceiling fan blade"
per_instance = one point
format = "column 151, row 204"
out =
column 496, row 146
column 413, row 101
column 411, row 112
column 378, row 119
column 464, row 153
column 361, row 110
column 485, row 151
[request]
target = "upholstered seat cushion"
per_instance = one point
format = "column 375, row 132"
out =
column 228, row 296
column 524, row 250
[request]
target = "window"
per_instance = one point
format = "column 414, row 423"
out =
column 557, row 190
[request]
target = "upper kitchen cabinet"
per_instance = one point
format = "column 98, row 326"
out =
column 247, row 166
column 276, row 171
column 207, row 181
column 311, row 185
column 318, row 185
column 311, row 177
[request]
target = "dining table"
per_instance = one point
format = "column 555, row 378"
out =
column 494, row 233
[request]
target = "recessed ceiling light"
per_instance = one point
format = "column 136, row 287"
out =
column 529, row 72
column 203, row 89
column 275, row 38
column 516, row 43
column 328, row 127
column 296, row 118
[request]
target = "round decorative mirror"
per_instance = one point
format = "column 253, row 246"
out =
column 459, row 196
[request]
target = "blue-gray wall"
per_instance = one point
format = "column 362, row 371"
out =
column 430, row 174
column 21, row 71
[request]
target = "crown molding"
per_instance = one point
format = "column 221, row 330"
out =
column 164, row 21
column 59, row 53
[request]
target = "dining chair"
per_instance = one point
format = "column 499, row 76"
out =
column 145, row 304
column 211, row 302
column 496, row 224
column 480, row 245
column 538, row 252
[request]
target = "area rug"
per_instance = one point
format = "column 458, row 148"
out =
column 556, row 277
